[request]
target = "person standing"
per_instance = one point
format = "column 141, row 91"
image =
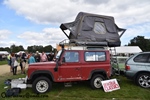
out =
column 37, row 56
column 1, row 57
column 31, row 59
column 9, row 61
column 23, row 61
column 50, row 56
column 20, row 55
column 13, row 65
column 43, row 57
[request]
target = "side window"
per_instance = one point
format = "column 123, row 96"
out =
column 71, row 57
column 141, row 58
column 95, row 56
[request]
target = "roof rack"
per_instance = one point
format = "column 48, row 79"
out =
column 82, row 45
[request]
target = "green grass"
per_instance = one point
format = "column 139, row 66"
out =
column 121, row 66
column 82, row 91
column 3, row 62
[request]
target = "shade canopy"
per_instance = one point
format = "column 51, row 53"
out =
column 128, row 49
column 4, row 52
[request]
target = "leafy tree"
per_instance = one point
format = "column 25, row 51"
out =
column 2, row 49
column 140, row 41
column 21, row 48
column 5, row 49
column 14, row 48
column 40, row 48
column 35, row 48
column 48, row 48
column 29, row 49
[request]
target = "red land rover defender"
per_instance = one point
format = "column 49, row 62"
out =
column 70, row 66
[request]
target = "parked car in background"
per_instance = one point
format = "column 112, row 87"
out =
column 137, row 68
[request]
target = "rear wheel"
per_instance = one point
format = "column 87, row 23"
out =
column 96, row 81
column 41, row 85
column 143, row 80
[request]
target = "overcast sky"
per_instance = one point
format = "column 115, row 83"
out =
column 36, row 22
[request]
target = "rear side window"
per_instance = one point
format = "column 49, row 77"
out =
column 141, row 58
column 95, row 56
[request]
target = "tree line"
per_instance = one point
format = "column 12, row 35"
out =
column 140, row 41
column 14, row 48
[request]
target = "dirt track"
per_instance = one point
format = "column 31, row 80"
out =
column 6, row 69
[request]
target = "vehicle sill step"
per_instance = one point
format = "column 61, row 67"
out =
column 68, row 84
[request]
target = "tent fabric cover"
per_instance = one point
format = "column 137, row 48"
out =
column 92, row 29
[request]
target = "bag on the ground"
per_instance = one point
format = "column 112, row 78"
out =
column 13, row 92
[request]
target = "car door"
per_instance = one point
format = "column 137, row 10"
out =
column 147, row 64
column 70, row 69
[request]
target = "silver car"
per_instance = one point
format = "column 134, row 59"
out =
column 137, row 68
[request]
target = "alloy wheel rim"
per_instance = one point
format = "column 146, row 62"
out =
column 144, row 81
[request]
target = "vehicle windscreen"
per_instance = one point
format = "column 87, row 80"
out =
column 58, row 54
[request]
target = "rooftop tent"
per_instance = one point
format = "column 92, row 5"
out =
column 92, row 29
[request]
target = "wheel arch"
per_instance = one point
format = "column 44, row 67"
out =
column 39, row 73
column 138, row 73
column 98, row 71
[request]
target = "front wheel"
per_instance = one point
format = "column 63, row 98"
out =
column 143, row 80
column 96, row 81
column 41, row 85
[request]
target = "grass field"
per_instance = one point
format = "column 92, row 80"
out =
column 81, row 91
column 3, row 62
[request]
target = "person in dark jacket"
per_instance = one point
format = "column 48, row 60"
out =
column 23, row 61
